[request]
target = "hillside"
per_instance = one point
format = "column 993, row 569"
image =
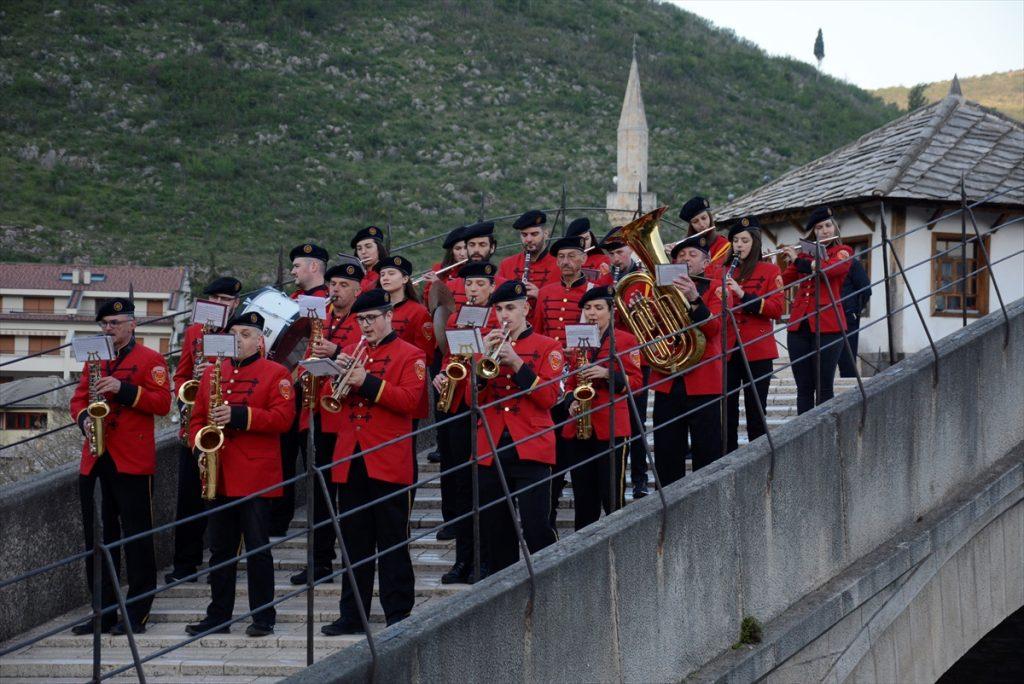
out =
column 1003, row 92
column 210, row 133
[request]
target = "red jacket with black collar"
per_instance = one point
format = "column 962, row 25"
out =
column 626, row 350
column 834, row 269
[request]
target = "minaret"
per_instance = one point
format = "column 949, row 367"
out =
column 631, row 158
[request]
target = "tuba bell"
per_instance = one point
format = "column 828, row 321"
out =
column 661, row 322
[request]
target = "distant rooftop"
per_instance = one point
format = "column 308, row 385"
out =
column 15, row 390
column 108, row 279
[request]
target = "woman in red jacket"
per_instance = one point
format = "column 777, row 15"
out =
column 809, row 316
column 757, row 286
column 411, row 321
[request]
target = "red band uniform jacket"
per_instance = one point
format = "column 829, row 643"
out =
column 455, row 284
column 344, row 332
column 625, row 349
column 763, row 302
column 543, row 270
column 262, row 402
column 462, row 397
column 412, row 323
column 128, row 428
column 835, row 268
column 381, row 410
column 527, row 414
column 719, row 251
column 558, row 306
column 187, row 360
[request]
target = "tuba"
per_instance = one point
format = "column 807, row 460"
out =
column 658, row 321
column 98, row 409
column 210, row 439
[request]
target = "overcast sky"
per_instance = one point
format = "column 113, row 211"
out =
column 877, row 44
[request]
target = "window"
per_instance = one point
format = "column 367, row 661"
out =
column 38, row 343
column 165, row 345
column 37, row 304
column 6, row 344
column 953, row 291
column 24, row 421
column 861, row 245
column 154, row 307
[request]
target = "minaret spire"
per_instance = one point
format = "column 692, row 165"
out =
column 631, row 157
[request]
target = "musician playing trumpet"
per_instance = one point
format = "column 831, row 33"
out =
column 385, row 392
column 258, row 406
column 588, row 453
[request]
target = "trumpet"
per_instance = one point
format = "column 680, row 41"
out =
column 441, row 271
column 455, row 372
column 584, row 393
column 783, row 248
column 210, row 439
column 310, row 383
column 342, row 386
column 489, row 364
column 98, row 409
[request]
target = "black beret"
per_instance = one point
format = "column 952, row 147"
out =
column 508, row 291
column 748, row 223
column 368, row 233
column 349, row 271
column 578, row 227
column 115, row 307
column 456, row 235
column 481, row 229
column 602, row 292
column 612, row 240
column 252, row 319
column 374, row 298
column 817, row 216
column 401, row 263
column 311, row 251
column 225, row 286
column 701, row 242
column 534, row 217
column 478, row 269
column 693, row 206
column 565, row 243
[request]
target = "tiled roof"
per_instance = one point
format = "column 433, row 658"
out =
column 919, row 156
column 118, row 278
column 15, row 390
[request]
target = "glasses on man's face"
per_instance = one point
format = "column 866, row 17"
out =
column 112, row 324
column 367, row 319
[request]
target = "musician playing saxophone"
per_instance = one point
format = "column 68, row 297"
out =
column 533, row 234
column 258, row 406
column 188, row 537
column 136, row 387
column 588, row 454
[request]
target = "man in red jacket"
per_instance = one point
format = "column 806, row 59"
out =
column 188, row 537
column 534, row 236
column 520, row 424
column 258, row 405
column 386, row 388
column 136, row 387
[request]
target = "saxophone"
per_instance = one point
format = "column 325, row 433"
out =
column 190, row 389
column 454, row 372
column 584, row 393
column 97, row 409
column 310, row 383
column 210, row 439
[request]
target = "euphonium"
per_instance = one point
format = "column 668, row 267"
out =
column 310, row 383
column 660, row 322
column 489, row 365
column 342, row 386
column 454, row 372
column 210, row 439
column 584, row 393
column 97, row 409
column 190, row 389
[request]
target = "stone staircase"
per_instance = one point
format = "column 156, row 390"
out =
column 235, row 657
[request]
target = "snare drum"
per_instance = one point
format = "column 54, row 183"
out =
column 279, row 313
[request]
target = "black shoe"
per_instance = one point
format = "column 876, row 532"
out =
column 204, row 625
column 434, row 457
column 446, row 533
column 176, row 575
column 639, row 491
column 318, row 574
column 341, row 626
column 120, row 630
column 459, row 574
column 259, row 630
column 86, row 628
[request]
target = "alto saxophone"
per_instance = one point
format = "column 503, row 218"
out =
column 98, row 409
column 210, row 439
column 310, row 383
column 190, row 389
column 584, row 393
column 454, row 373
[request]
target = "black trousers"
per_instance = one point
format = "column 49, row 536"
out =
column 496, row 523
column 848, row 361
column 638, row 445
column 752, row 396
column 126, row 510
column 323, row 537
column 457, row 486
column 282, row 508
column 700, row 432
column 373, row 529
column 592, row 476
column 802, row 343
column 247, row 522
column 188, row 537
column 563, row 459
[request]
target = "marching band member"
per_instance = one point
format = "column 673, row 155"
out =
column 454, row 252
column 534, row 236
column 596, row 261
column 258, row 406
column 454, row 442
column 698, row 390
column 697, row 213
column 368, row 247
column 528, row 361
column 480, row 245
column 386, row 390
column 591, row 473
column 309, row 263
column 807, row 316
column 757, row 287
column 188, row 537
column 135, row 386
column 411, row 321
column 340, row 330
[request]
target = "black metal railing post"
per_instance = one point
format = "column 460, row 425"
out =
column 888, row 285
column 992, row 275
column 97, row 585
column 310, row 533
column 129, row 629
column 474, row 468
column 963, row 251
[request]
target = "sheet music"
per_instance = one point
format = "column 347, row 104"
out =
column 472, row 316
column 218, row 344
column 585, row 336
column 209, row 313
column 312, row 307
column 99, row 347
column 464, row 342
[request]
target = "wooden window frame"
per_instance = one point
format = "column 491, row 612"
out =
column 46, row 342
column 14, row 344
column 36, row 301
column 157, row 304
column 22, row 420
column 981, row 277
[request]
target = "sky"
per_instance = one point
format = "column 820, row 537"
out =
column 874, row 44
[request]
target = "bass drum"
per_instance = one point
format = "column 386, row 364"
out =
column 284, row 331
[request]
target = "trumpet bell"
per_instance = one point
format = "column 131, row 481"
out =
column 98, row 409
column 488, row 368
column 210, row 438
column 188, row 392
column 329, row 403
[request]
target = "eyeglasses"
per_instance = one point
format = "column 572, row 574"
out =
column 112, row 324
column 367, row 319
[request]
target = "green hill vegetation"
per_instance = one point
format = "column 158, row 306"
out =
column 1003, row 92
column 213, row 132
